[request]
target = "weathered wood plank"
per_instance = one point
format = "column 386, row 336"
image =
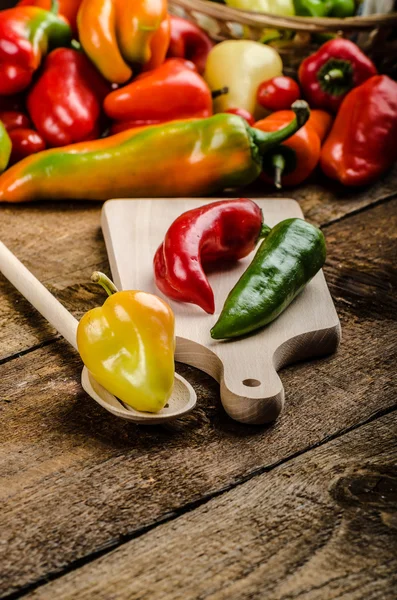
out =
column 76, row 480
column 62, row 244
column 321, row 526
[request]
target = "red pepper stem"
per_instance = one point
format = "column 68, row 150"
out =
column 266, row 140
column 220, row 92
column 105, row 282
column 334, row 75
column 278, row 162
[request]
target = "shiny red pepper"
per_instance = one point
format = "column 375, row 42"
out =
column 65, row 102
column 26, row 33
column 218, row 232
column 24, row 143
column 362, row 143
column 190, row 42
column 330, row 73
column 172, row 91
column 12, row 119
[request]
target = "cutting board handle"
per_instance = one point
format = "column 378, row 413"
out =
column 256, row 396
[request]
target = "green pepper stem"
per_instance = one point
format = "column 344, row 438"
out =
column 334, row 75
column 264, row 232
column 220, row 92
column 278, row 162
column 54, row 7
column 105, row 282
column 267, row 140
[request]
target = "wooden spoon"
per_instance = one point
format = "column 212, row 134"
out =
column 183, row 398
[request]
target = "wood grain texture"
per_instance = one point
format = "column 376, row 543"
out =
column 75, row 481
column 62, row 244
column 133, row 230
column 320, row 527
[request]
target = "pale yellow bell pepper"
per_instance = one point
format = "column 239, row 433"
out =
column 240, row 66
column 284, row 8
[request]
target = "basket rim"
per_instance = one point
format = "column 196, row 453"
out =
column 311, row 24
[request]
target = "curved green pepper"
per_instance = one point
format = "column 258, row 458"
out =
column 325, row 8
column 285, row 262
column 5, row 148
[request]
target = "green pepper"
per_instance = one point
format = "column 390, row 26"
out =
column 288, row 258
column 325, row 8
column 5, row 148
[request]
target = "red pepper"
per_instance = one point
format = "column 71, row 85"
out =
column 26, row 32
column 241, row 112
column 362, row 144
column 172, row 91
column 24, row 143
column 65, row 102
column 12, row 119
column 330, row 73
column 190, row 42
column 214, row 233
column 278, row 93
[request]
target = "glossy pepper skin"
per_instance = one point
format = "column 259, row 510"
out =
column 172, row 91
column 26, row 34
column 325, row 8
column 13, row 119
column 240, row 66
column 128, row 345
column 215, row 233
column 190, row 42
column 330, row 73
column 290, row 256
column 181, row 158
column 296, row 158
column 118, row 35
column 67, row 9
column 362, row 143
column 25, row 142
column 5, row 148
column 65, row 102
column 321, row 121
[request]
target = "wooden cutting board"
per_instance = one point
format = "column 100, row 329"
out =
column 246, row 368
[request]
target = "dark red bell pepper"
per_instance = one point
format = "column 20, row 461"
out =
column 172, row 91
column 190, row 42
column 330, row 73
column 26, row 33
column 65, row 102
column 24, row 143
column 218, row 232
column 12, row 119
column 362, row 143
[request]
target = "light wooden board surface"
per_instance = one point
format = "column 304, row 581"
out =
column 246, row 368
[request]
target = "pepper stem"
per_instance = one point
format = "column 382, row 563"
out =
column 264, row 232
column 54, row 7
column 105, row 282
column 334, row 75
column 266, row 140
column 278, row 162
column 220, row 92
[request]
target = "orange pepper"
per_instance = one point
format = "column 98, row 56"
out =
column 294, row 160
column 321, row 121
column 67, row 9
column 118, row 34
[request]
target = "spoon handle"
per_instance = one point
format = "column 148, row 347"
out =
column 38, row 295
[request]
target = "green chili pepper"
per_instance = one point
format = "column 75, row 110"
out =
column 290, row 256
column 325, row 8
column 5, row 148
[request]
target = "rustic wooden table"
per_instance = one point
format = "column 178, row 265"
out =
column 95, row 507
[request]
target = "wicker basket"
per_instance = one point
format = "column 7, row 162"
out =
column 295, row 37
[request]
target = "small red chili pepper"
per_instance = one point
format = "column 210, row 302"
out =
column 190, row 42
column 241, row 112
column 24, row 143
column 362, row 143
column 221, row 231
column 293, row 161
column 278, row 93
column 330, row 73
column 65, row 102
column 12, row 119
column 172, row 91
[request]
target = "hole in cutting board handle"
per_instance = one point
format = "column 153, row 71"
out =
column 251, row 382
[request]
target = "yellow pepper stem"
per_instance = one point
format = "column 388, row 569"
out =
column 105, row 282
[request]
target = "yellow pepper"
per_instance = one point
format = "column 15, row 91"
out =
column 128, row 345
column 240, row 66
column 284, row 8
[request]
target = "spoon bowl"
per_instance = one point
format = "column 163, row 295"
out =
column 183, row 398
